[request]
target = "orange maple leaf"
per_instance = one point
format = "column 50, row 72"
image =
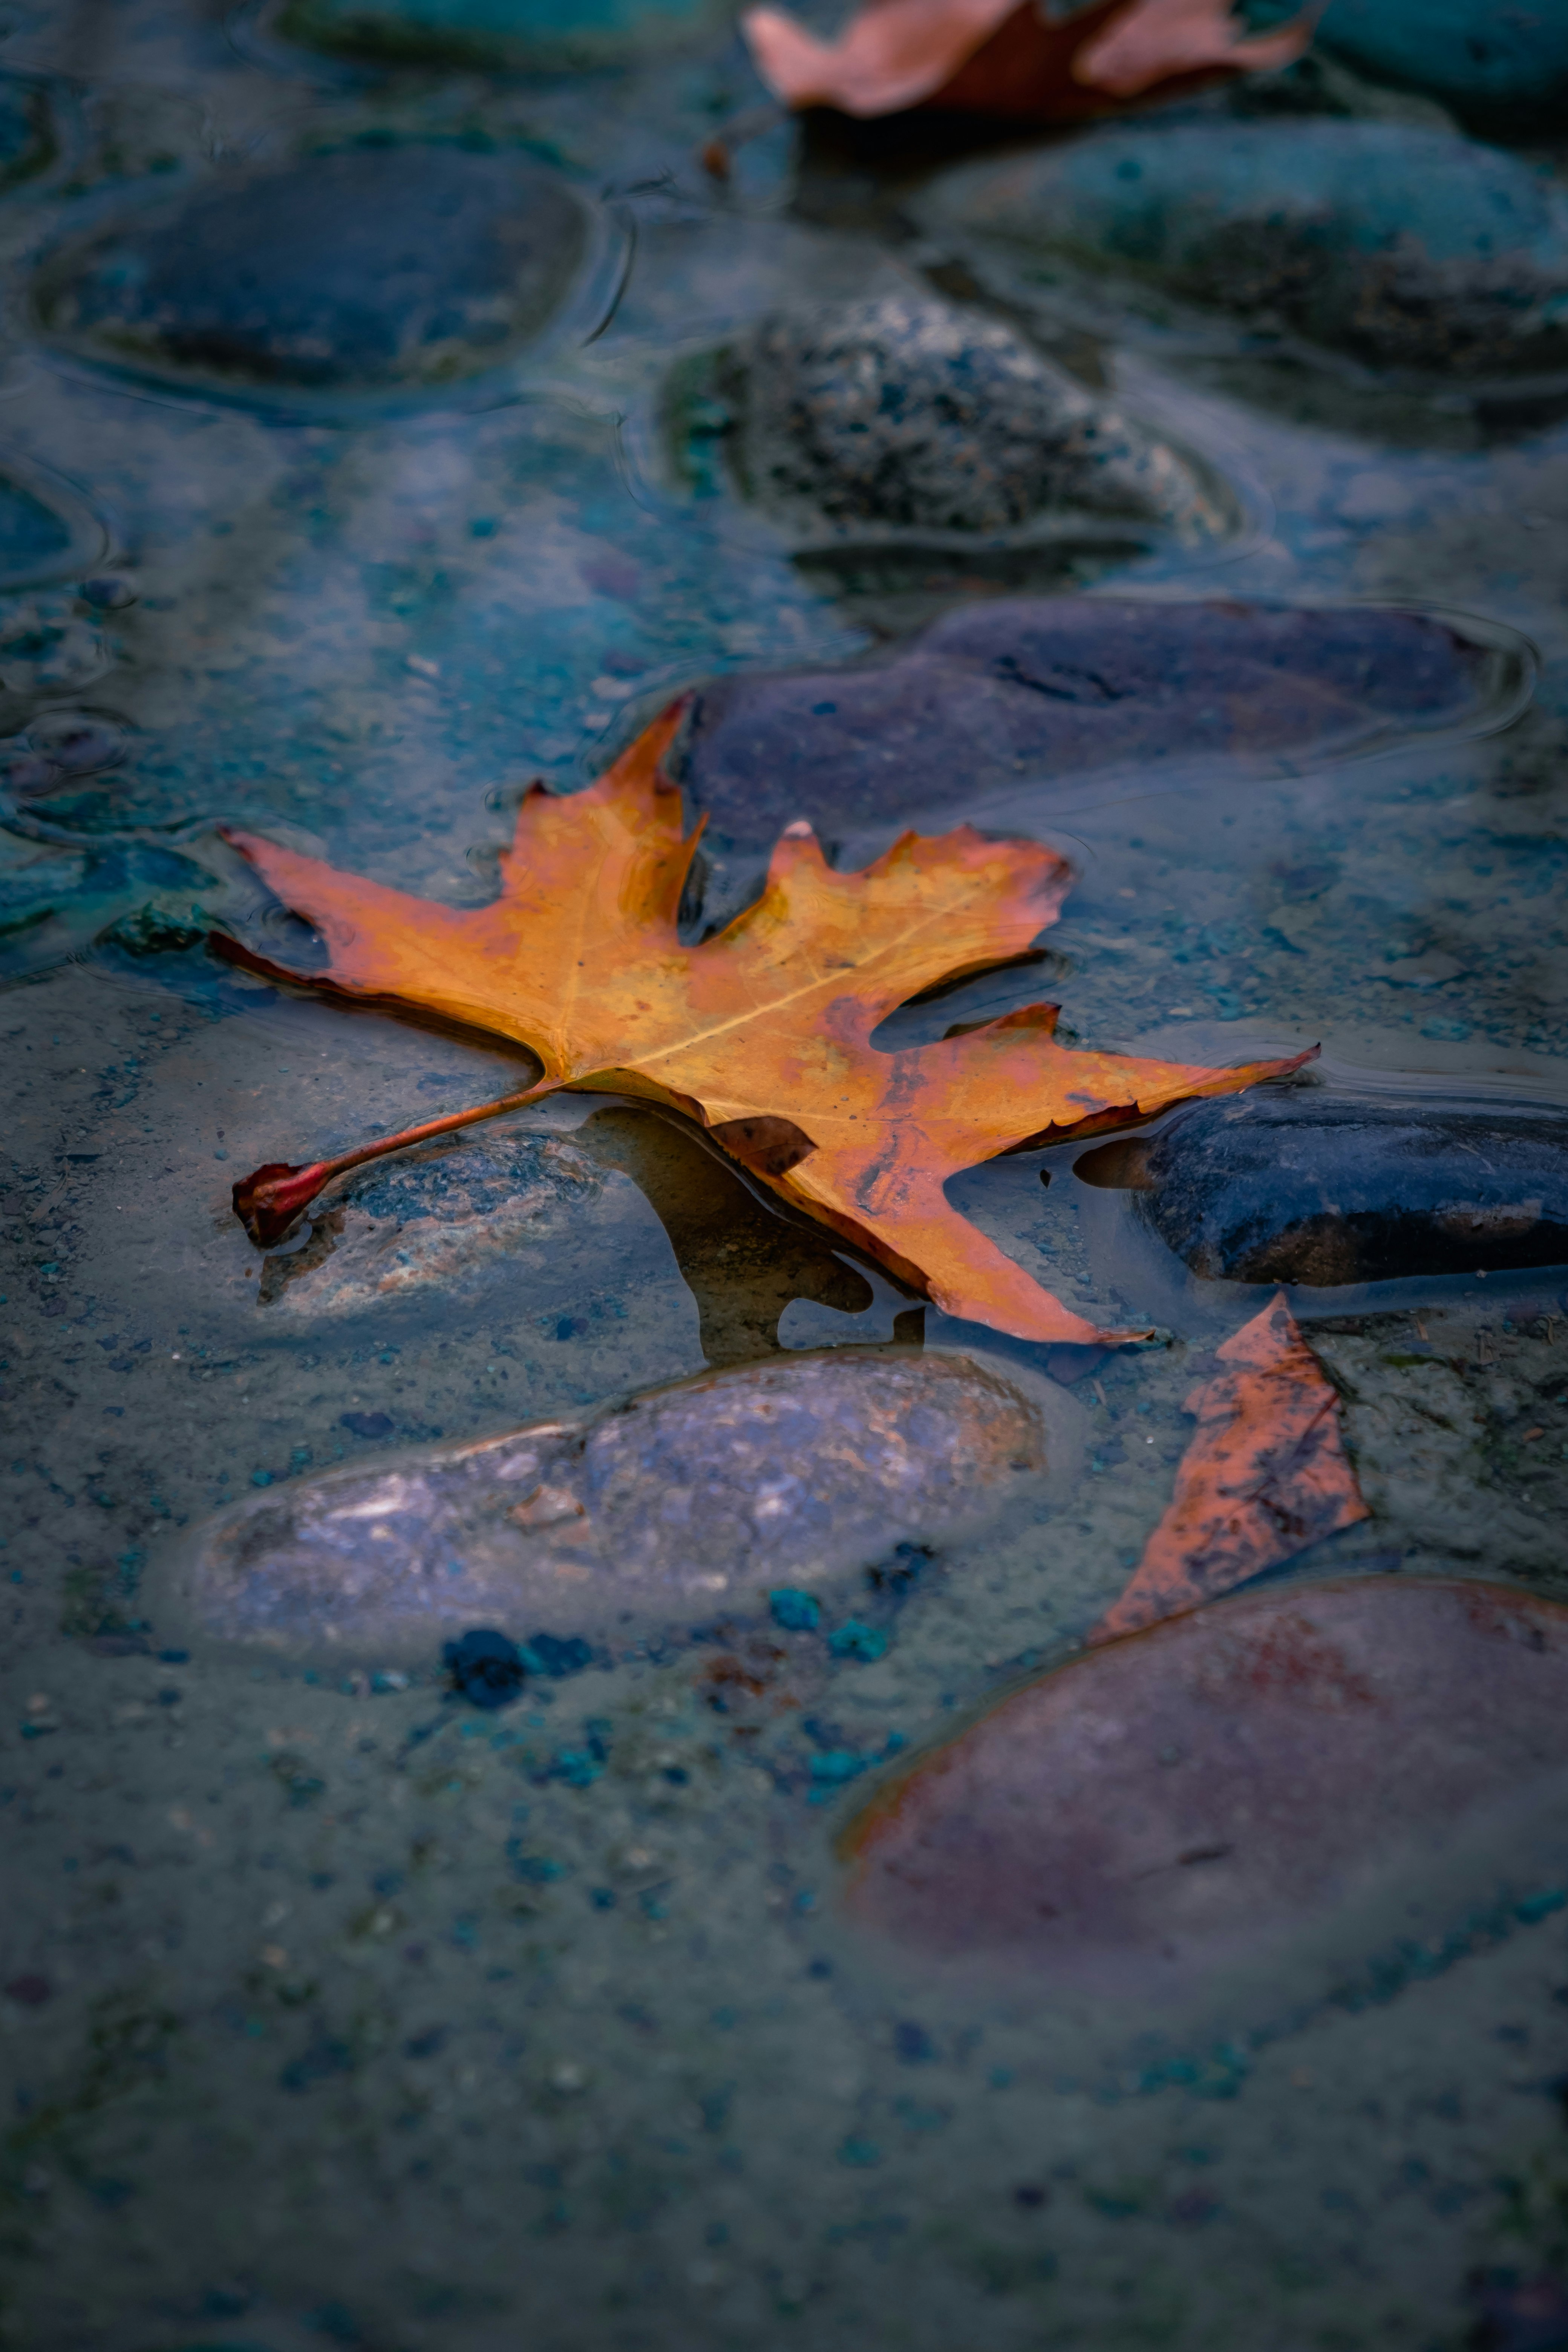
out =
column 994, row 57
column 1264, row 1476
column 764, row 1033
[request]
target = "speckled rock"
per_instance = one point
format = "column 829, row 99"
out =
column 1405, row 247
column 1047, row 689
column 377, row 269
column 679, row 1505
column 1304, row 1188
column 428, row 1220
column 1209, row 1788
column 908, row 413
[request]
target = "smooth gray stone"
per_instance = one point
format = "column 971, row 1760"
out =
column 908, row 413
column 679, row 1506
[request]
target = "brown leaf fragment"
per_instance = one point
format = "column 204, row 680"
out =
column 994, row 57
column 1264, row 1476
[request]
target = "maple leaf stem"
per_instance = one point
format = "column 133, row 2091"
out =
column 268, row 1199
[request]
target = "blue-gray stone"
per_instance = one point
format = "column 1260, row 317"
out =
column 1408, row 248
column 376, row 268
column 1476, row 56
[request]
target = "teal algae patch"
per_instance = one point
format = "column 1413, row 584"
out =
column 27, row 140
column 1402, row 247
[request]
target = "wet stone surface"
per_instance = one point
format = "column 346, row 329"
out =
column 377, row 269
column 1301, row 1188
column 380, row 1996
column 913, row 415
column 1402, row 247
column 678, row 1507
column 428, row 1220
column 552, row 34
column 1498, row 67
column 1047, row 691
column 1185, row 1797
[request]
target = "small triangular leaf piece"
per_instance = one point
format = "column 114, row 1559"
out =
column 1265, row 1476
column 994, row 57
column 763, row 1035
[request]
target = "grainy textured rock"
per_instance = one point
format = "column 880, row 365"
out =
column 908, row 413
column 1202, row 1791
column 429, row 1220
column 378, row 268
column 1405, row 247
column 1301, row 1188
column 683, row 1504
column 1047, row 688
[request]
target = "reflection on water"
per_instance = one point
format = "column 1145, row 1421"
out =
column 778, row 1926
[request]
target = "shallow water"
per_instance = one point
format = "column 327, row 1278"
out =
column 337, row 2008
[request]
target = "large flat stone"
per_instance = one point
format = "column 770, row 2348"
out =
column 1197, row 1795
column 1048, row 690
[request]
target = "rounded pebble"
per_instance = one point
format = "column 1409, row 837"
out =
column 908, row 412
column 679, row 1505
column 377, row 269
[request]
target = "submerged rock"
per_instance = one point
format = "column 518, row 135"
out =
column 1024, row 690
column 444, row 1214
column 1203, row 1791
column 743, row 1263
column 1403, row 247
column 418, row 1224
column 378, row 268
column 1487, row 62
column 910, row 414
column 1302, row 1188
column 570, row 33
column 684, row 1503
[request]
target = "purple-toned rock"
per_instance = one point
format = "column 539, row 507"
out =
column 1042, row 692
column 1201, row 1793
